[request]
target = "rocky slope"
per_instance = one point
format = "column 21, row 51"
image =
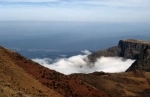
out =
column 16, row 82
column 129, row 49
column 127, row 84
column 21, row 76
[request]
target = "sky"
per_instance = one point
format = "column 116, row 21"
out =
column 75, row 10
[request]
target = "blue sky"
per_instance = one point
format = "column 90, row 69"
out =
column 76, row 10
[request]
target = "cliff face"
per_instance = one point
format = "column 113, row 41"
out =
column 129, row 49
column 132, row 48
column 142, row 62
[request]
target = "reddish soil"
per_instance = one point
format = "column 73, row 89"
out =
column 65, row 85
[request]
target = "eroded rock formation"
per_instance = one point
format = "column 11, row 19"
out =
column 129, row 49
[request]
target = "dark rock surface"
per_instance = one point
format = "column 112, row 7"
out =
column 128, row 49
column 110, row 52
column 142, row 62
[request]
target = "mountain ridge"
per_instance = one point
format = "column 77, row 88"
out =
column 62, row 85
column 128, row 49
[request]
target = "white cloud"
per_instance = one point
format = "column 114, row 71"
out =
column 81, row 64
column 110, row 3
column 77, row 10
column 125, row 3
column 30, row 0
column 86, row 52
column 73, row 14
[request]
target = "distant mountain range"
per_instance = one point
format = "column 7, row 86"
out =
column 22, row 77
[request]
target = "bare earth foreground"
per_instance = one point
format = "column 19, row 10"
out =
column 21, row 77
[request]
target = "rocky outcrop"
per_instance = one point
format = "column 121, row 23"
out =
column 110, row 52
column 142, row 62
column 129, row 49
